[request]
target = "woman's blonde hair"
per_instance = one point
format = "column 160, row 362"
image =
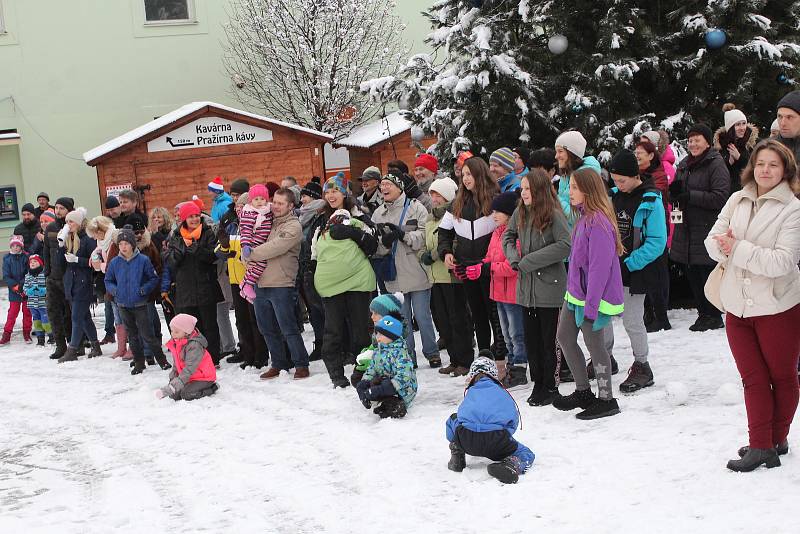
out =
column 596, row 200
column 73, row 241
column 101, row 223
column 165, row 214
column 787, row 157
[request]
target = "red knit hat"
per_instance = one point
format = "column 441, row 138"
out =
column 187, row 209
column 197, row 201
column 463, row 157
column 35, row 257
column 427, row 161
column 216, row 185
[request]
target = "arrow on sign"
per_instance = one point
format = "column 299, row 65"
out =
column 169, row 140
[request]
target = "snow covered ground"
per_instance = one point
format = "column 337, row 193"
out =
column 85, row 447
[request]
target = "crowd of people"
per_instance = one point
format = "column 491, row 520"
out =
column 502, row 263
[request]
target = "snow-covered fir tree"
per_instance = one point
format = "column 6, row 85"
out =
column 608, row 68
column 302, row 60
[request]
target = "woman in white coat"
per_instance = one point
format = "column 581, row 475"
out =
column 757, row 240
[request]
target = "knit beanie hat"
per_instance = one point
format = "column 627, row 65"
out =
column 624, row 163
column 390, row 327
column 463, row 157
column 67, row 202
column 111, row 202
column 126, row 234
column 395, row 180
column 523, row 153
column 197, row 201
column 187, row 209
column 240, row 185
column 387, row 303
column 28, row 207
column 652, row 136
column 136, row 221
column 47, row 216
column 732, row 117
column 774, row 125
column 216, row 186
column 505, row 203
column 336, row 183
column 445, row 187
column 258, row 190
column 701, row 129
column 183, row 322
column 16, row 240
column 43, row 195
column 77, row 216
column 427, row 161
column 312, row 189
column 791, row 101
column 503, row 157
column 573, row 142
column 35, row 257
column 370, row 173
column 484, row 365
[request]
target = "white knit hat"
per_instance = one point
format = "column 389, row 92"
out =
column 732, row 117
column 445, row 187
column 774, row 125
column 77, row 216
column 652, row 136
column 574, row 142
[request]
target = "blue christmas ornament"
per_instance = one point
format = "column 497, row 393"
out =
column 782, row 79
column 715, row 39
column 577, row 108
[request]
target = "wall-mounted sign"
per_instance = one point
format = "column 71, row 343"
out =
column 208, row 132
column 114, row 190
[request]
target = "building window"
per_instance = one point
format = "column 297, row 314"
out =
column 168, row 11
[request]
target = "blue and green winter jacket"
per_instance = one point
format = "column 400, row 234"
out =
column 393, row 362
column 511, row 181
column 487, row 407
column 131, row 281
column 220, row 206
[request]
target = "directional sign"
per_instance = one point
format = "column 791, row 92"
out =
column 209, row 132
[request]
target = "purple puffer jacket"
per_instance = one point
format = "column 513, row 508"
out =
column 594, row 280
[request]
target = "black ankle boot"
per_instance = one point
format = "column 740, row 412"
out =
column 96, row 350
column 755, row 458
column 576, row 399
column 458, row 460
column 600, row 408
column 163, row 363
column 780, row 448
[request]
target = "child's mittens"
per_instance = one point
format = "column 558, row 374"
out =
column 166, row 391
column 62, row 235
column 383, row 389
column 362, row 388
column 246, row 251
column 363, row 359
column 427, row 259
column 474, row 271
column 70, row 257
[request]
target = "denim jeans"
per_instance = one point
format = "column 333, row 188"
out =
column 420, row 303
column 275, row 314
column 513, row 324
column 110, row 323
column 82, row 323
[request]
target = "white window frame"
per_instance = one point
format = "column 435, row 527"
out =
column 2, row 20
column 190, row 5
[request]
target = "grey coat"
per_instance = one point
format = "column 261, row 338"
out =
column 410, row 274
column 709, row 184
column 542, row 280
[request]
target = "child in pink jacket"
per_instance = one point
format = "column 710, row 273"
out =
column 193, row 376
column 503, row 291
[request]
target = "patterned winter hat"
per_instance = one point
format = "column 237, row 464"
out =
column 47, row 216
column 395, row 180
column 390, row 327
column 216, row 185
column 35, row 257
column 483, row 365
column 16, row 240
column 388, row 303
column 503, row 157
column 463, row 157
column 126, row 234
column 312, row 189
column 336, row 183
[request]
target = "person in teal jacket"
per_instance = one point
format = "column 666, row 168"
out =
column 570, row 157
column 390, row 378
column 643, row 231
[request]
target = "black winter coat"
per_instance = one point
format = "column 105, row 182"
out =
column 28, row 233
column 54, row 263
column 79, row 277
column 194, row 269
column 708, row 184
column 467, row 239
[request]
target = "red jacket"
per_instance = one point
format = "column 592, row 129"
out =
column 504, row 279
column 190, row 353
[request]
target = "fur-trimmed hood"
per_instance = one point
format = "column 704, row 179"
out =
column 751, row 142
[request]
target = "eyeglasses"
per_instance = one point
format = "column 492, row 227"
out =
column 138, row 232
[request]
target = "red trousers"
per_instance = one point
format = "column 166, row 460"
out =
column 766, row 350
column 13, row 312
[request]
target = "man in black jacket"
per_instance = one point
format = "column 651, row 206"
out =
column 54, row 268
column 789, row 122
column 28, row 228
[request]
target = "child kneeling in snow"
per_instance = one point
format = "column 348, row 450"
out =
column 193, row 375
column 390, row 378
column 386, row 304
column 484, row 425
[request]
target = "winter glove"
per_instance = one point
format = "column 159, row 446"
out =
column 246, row 250
column 382, row 390
column 461, row 272
column 474, row 271
column 676, row 188
column 70, row 257
column 427, row 259
column 396, row 230
column 682, row 199
column 344, row 231
column 410, row 187
column 514, row 266
column 362, row 388
column 224, row 238
column 166, row 391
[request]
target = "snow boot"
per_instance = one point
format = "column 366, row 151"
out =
column 458, row 460
column 516, row 375
column 162, row 362
column 542, row 397
column 659, row 322
column 340, row 382
column 576, row 399
column 70, row 355
column 138, row 366
column 81, row 351
column 109, row 338
column 6, row 339
column 600, row 408
column 61, row 348
column 50, row 339
column 755, row 458
column 590, row 368
column 434, row 360
column 441, row 344
column 316, row 354
column 447, row 370
column 639, row 376
column 393, row 407
column 27, row 337
column 40, row 340
column 707, row 322
column 460, row 371
column 780, row 448
column 122, row 341
column 506, row 471
column 96, row 350
column 236, row 357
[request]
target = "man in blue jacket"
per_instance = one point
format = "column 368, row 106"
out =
column 130, row 278
column 222, row 200
column 484, row 424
